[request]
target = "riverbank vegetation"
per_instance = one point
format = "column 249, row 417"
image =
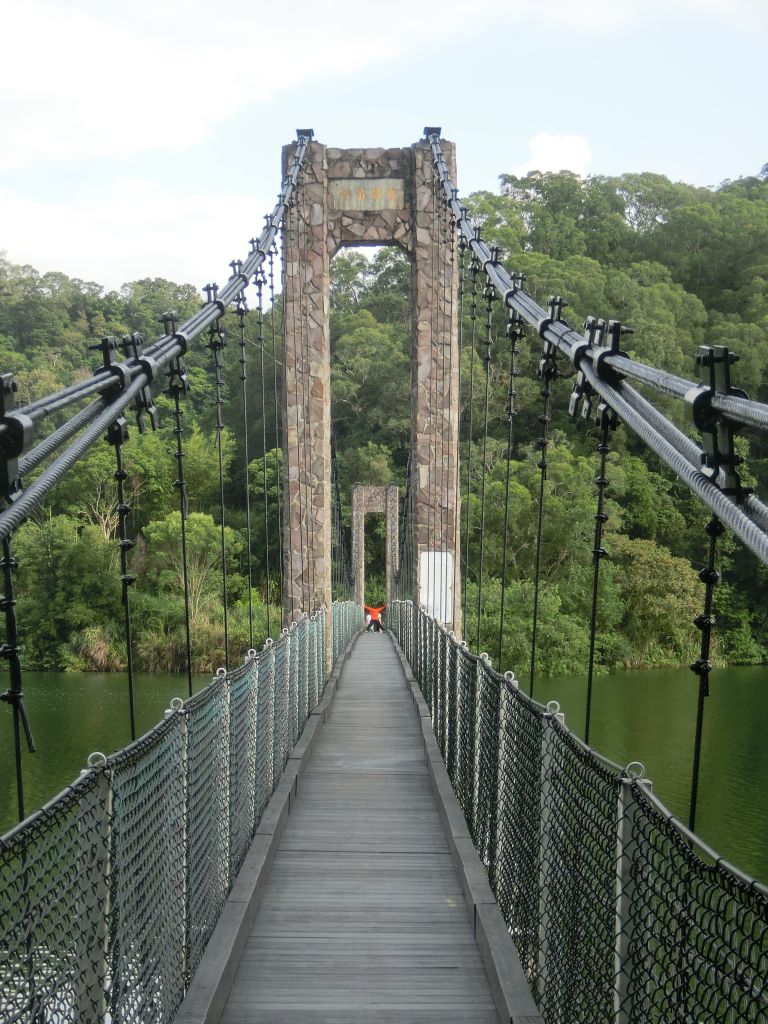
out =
column 682, row 266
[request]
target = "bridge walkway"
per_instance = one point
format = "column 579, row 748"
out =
column 362, row 918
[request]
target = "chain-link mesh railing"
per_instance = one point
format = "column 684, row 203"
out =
column 109, row 893
column 619, row 914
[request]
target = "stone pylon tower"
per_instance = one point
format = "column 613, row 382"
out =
column 370, row 197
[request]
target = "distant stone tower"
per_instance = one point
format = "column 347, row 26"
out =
column 374, row 499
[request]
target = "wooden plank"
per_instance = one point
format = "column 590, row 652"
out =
column 363, row 917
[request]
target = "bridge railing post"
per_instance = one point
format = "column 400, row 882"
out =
column 311, row 692
column 548, row 740
column 505, row 810
column 281, row 720
column 625, row 1009
column 424, row 679
column 95, row 834
column 182, row 830
column 418, row 632
column 310, row 696
column 449, row 753
column 295, row 672
column 442, row 688
column 339, row 629
column 432, row 661
column 227, row 829
column 266, row 727
column 485, row 755
column 473, row 722
column 491, row 740
column 318, row 661
column 303, row 681
column 243, row 765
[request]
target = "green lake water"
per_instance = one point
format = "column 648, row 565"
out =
column 646, row 716
column 73, row 714
column 650, row 717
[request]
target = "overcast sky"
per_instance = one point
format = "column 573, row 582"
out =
column 142, row 138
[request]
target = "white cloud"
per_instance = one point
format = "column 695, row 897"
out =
column 134, row 230
column 98, row 78
column 77, row 83
column 556, row 153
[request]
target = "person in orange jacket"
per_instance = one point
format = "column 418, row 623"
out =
column 373, row 617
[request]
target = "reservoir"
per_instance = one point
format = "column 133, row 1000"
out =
column 647, row 716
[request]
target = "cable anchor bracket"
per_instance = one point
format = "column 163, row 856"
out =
column 547, row 370
column 132, row 346
column 14, row 439
column 719, row 459
column 615, row 330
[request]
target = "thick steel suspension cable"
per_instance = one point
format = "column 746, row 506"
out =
column 129, row 378
column 164, row 349
column 54, row 441
column 739, row 513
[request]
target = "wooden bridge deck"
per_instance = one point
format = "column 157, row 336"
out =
column 362, row 920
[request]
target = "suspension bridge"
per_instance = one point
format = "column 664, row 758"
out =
column 353, row 827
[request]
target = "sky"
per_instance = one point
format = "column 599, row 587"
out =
column 142, row 138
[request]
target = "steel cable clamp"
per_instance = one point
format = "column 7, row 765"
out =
column 14, row 439
column 132, row 346
column 718, row 457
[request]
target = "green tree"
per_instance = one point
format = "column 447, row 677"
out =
column 68, row 582
column 164, row 566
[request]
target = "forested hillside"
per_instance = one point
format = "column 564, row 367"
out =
column 682, row 266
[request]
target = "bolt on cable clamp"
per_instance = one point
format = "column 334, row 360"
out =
column 615, row 330
column 170, row 322
column 556, row 305
column 121, row 373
